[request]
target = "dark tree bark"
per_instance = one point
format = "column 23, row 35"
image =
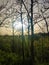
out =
column 32, row 35
column 28, row 18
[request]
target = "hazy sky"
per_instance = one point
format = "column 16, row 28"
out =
column 17, row 25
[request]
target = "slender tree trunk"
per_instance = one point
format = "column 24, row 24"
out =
column 22, row 34
column 28, row 35
column 32, row 35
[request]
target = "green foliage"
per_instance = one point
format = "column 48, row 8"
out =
column 11, row 53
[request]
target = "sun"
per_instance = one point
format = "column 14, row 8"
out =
column 18, row 26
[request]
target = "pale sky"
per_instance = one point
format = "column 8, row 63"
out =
column 17, row 20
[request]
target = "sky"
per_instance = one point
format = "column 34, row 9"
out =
column 17, row 20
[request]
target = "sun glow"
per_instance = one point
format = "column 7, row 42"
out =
column 18, row 26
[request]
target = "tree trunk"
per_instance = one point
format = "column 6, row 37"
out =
column 32, row 35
